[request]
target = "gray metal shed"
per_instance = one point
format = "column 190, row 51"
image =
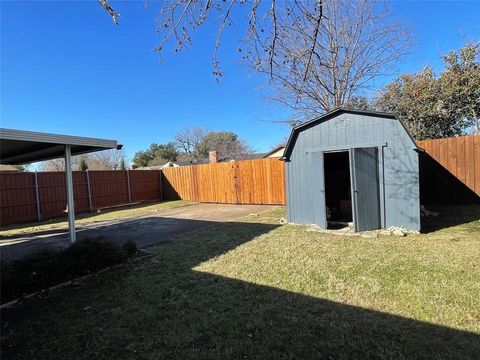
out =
column 353, row 165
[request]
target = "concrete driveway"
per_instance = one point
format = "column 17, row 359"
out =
column 147, row 230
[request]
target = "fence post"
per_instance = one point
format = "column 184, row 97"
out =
column 128, row 184
column 161, row 187
column 90, row 207
column 37, row 198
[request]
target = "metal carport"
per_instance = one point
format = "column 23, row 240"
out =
column 21, row 147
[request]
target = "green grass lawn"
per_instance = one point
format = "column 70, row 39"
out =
column 87, row 218
column 255, row 289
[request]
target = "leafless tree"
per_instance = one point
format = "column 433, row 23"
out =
column 238, row 150
column 52, row 165
column 242, row 151
column 177, row 19
column 105, row 160
column 184, row 157
column 355, row 42
column 108, row 8
column 318, row 54
column 283, row 142
column 188, row 139
column 102, row 160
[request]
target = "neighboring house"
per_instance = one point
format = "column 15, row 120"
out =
column 211, row 160
column 252, row 156
column 153, row 167
column 8, row 168
column 169, row 164
column 188, row 163
column 275, row 153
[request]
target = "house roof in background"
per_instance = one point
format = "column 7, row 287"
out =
column 177, row 163
column 187, row 163
column 154, row 167
column 8, row 168
column 21, row 147
column 274, row 150
column 252, row 156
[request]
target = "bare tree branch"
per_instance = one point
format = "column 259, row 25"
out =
column 216, row 67
column 317, row 54
column 115, row 15
column 314, row 38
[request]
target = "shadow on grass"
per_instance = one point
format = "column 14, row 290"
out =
column 164, row 309
column 452, row 215
column 79, row 216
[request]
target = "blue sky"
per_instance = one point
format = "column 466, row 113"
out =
column 65, row 68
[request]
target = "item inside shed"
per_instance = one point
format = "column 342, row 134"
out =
column 338, row 196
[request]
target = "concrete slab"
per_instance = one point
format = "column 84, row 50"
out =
column 147, row 230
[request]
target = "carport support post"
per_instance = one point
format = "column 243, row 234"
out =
column 90, row 207
column 70, row 201
column 128, row 187
column 161, row 188
column 37, row 198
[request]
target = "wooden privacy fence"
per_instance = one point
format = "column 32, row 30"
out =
column 39, row 196
column 238, row 182
column 449, row 173
column 450, row 170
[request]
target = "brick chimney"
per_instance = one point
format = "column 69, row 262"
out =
column 212, row 157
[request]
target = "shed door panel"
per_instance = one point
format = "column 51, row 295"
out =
column 365, row 186
column 317, row 190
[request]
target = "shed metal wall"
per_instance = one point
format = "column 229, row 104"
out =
column 399, row 175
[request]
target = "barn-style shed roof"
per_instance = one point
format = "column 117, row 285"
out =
column 330, row 115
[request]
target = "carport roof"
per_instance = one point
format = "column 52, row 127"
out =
column 20, row 147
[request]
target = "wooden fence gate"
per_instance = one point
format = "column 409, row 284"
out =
column 238, row 182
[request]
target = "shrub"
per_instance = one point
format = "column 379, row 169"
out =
column 33, row 272
column 46, row 268
column 130, row 248
column 92, row 255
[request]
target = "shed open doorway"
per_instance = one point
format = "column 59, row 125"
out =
column 338, row 196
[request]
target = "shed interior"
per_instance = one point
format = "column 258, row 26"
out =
column 338, row 196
